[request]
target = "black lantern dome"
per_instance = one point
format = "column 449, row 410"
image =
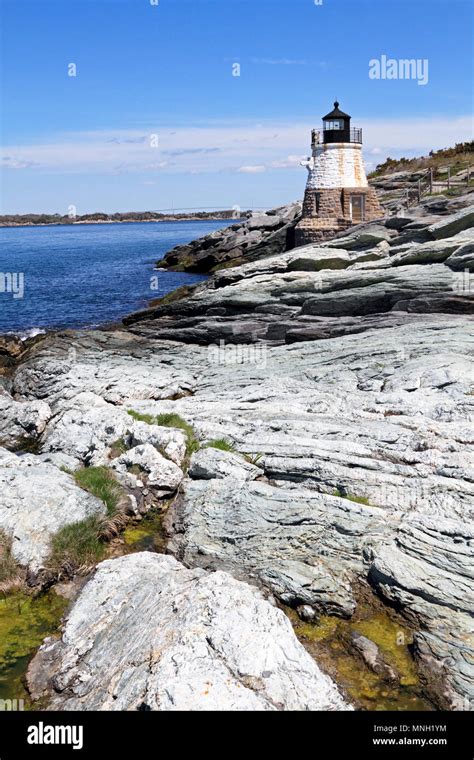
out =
column 337, row 127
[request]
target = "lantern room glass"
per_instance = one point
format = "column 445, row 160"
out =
column 337, row 124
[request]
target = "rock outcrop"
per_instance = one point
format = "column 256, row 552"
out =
column 421, row 267
column 88, row 427
column 273, row 232
column 36, row 500
column 303, row 545
column 210, row 463
column 263, row 234
column 21, row 423
column 344, row 374
column 364, row 444
column 148, row 634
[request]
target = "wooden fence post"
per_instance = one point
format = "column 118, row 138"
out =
column 449, row 177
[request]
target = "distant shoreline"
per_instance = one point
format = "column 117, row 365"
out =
column 212, row 218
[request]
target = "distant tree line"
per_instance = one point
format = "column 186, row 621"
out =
column 130, row 216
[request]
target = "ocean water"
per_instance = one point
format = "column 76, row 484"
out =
column 87, row 275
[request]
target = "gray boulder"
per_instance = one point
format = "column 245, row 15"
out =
column 451, row 225
column 428, row 253
column 89, row 426
column 369, row 235
column 208, row 463
column 36, row 501
column 159, row 473
column 283, row 539
column 263, row 222
column 147, row 633
column 21, row 422
column 261, row 235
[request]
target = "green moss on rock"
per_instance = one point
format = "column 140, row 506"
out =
column 24, row 623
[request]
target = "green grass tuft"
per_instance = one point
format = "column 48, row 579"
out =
column 171, row 420
column 351, row 497
column 253, row 458
column 221, row 444
column 100, row 482
column 117, row 448
column 138, row 417
column 77, row 545
column 9, row 568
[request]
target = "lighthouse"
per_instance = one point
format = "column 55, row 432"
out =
column 337, row 192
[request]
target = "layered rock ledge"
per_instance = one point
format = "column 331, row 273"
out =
column 340, row 380
column 391, row 272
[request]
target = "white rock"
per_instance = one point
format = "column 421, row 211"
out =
column 21, row 420
column 89, row 426
column 208, row 463
column 36, row 500
column 169, row 440
column 146, row 631
column 162, row 475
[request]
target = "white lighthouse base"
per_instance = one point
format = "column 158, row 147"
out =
column 337, row 165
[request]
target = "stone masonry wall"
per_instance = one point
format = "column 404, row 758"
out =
column 326, row 212
column 337, row 165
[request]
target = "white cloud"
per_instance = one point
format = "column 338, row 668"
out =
column 258, row 169
column 11, row 162
column 223, row 147
column 287, row 163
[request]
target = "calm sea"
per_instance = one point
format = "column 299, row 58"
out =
column 87, row 275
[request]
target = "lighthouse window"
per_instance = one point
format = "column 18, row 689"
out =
column 338, row 124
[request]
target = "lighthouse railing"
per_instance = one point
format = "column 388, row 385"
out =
column 353, row 135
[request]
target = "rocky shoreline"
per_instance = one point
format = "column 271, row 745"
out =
column 302, row 422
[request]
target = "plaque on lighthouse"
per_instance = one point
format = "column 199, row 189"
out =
column 337, row 193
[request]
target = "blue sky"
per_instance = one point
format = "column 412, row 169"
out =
column 154, row 117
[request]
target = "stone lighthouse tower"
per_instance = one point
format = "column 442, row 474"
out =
column 337, row 193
